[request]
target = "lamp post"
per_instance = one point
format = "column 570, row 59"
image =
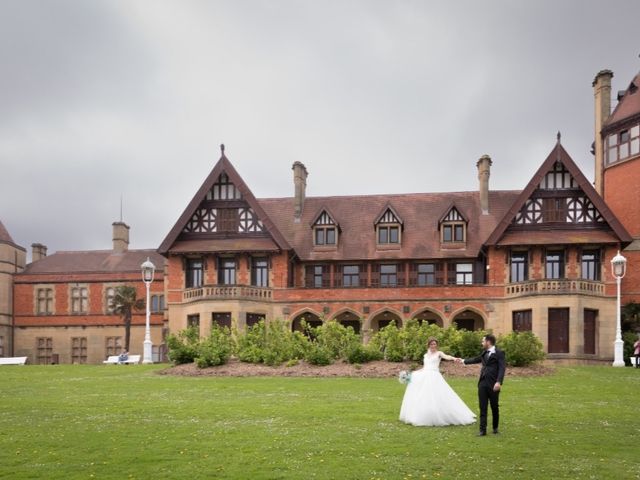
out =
column 148, row 270
column 619, row 268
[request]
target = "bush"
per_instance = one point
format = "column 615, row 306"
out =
column 389, row 340
column 183, row 347
column 319, row 355
column 363, row 354
column 251, row 343
column 629, row 339
column 216, row 348
column 469, row 343
column 521, row 348
column 336, row 339
column 271, row 343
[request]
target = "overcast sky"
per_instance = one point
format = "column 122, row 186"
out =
column 100, row 99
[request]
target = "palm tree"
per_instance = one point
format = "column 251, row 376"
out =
column 125, row 301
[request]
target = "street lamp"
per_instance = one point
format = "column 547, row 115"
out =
column 619, row 268
column 148, row 270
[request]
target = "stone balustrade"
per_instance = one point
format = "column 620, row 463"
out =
column 555, row 287
column 227, row 292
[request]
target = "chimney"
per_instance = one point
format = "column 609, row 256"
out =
column 484, row 172
column 300, row 184
column 38, row 251
column 120, row 237
column 602, row 93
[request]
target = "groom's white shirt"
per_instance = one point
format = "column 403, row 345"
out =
column 492, row 350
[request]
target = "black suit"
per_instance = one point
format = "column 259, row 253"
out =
column 493, row 369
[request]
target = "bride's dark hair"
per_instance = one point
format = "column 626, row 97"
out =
column 432, row 339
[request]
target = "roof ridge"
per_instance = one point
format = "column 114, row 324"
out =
column 364, row 195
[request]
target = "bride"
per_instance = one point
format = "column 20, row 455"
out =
column 429, row 400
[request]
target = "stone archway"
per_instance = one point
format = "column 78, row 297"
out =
column 428, row 316
column 384, row 318
column 349, row 318
column 468, row 319
column 312, row 319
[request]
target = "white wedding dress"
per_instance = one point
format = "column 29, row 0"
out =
column 430, row 401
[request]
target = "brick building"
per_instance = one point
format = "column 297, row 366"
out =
column 532, row 259
column 617, row 166
column 63, row 310
column 12, row 260
column 535, row 259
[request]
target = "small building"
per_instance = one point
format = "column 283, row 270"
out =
column 63, row 303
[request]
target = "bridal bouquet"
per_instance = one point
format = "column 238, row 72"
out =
column 404, row 377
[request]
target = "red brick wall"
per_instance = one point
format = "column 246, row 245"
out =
column 25, row 292
column 622, row 194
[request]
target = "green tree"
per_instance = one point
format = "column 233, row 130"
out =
column 125, row 301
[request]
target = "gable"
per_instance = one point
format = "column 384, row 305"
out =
column 559, row 197
column 223, row 207
column 452, row 215
column 388, row 215
column 323, row 219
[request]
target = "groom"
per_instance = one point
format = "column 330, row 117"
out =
column 490, row 382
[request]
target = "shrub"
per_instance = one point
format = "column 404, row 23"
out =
column 251, row 343
column 318, row 355
column 389, row 340
column 336, row 339
column 216, row 348
column 183, row 347
column 629, row 339
column 415, row 338
column 469, row 343
column 271, row 343
column 363, row 354
column 521, row 348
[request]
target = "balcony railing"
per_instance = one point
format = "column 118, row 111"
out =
column 555, row 287
column 227, row 292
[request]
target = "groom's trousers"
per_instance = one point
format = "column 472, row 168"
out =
column 487, row 396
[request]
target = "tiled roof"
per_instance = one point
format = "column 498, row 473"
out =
column 420, row 213
column 628, row 106
column 95, row 261
column 556, row 236
column 4, row 235
column 225, row 245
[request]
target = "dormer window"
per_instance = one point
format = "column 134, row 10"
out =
column 325, row 230
column 325, row 236
column 624, row 144
column 453, row 227
column 388, row 227
column 388, row 234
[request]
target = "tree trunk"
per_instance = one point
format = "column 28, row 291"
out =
column 127, row 330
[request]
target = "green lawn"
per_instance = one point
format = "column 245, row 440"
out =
column 126, row 422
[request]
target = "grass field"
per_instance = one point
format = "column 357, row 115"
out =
column 128, row 422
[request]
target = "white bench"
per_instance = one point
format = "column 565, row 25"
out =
column 13, row 360
column 114, row 360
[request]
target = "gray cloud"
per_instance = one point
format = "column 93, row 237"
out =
column 104, row 98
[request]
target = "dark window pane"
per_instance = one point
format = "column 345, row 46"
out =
column 590, row 265
column 383, row 235
column 447, row 234
column 394, row 236
column 351, row 276
column 319, row 236
column 459, row 233
column 331, row 236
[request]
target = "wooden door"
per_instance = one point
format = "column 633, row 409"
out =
column 590, row 317
column 558, row 330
